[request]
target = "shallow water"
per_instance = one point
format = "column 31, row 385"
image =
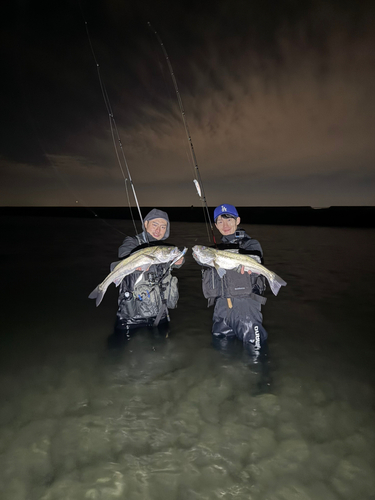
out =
column 174, row 418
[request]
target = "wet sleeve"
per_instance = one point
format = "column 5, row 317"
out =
column 252, row 247
column 127, row 246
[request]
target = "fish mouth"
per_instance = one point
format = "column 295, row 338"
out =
column 199, row 258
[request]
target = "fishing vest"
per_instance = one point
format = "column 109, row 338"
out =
column 232, row 284
column 143, row 300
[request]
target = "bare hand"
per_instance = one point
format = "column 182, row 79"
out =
column 243, row 270
column 179, row 262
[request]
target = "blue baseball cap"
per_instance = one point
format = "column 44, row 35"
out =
column 225, row 210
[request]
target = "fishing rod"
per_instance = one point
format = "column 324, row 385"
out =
column 198, row 181
column 116, row 136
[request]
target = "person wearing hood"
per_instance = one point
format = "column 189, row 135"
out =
column 144, row 298
column 238, row 296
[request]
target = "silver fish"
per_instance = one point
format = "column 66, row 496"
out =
column 142, row 259
column 223, row 260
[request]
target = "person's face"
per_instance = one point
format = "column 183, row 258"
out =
column 227, row 226
column 156, row 227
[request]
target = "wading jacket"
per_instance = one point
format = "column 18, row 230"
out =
column 140, row 303
column 233, row 283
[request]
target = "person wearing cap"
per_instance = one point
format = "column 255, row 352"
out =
column 238, row 295
column 142, row 295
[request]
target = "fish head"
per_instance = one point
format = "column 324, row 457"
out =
column 168, row 253
column 203, row 255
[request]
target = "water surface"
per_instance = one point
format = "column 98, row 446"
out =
column 175, row 418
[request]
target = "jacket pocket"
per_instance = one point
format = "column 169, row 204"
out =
column 211, row 283
column 237, row 284
column 172, row 294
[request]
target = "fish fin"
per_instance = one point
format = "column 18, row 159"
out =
column 276, row 284
column 118, row 280
column 97, row 294
column 220, row 271
column 139, row 279
column 114, row 264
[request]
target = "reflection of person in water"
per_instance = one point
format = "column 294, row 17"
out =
column 238, row 295
column 145, row 297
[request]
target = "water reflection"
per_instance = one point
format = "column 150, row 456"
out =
column 158, row 417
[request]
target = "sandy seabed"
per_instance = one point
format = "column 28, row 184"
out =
column 175, row 418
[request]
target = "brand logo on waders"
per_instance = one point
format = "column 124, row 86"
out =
column 257, row 337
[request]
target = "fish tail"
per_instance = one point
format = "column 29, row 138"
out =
column 97, row 294
column 276, row 283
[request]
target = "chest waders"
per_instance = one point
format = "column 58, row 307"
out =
column 147, row 301
column 163, row 308
column 237, row 299
column 232, row 284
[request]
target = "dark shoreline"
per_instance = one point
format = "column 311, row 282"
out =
column 295, row 216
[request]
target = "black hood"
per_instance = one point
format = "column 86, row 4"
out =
column 157, row 214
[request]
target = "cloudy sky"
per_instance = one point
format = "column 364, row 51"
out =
column 278, row 95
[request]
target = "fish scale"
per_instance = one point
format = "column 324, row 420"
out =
column 225, row 260
column 142, row 259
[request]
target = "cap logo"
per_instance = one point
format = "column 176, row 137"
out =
column 224, row 209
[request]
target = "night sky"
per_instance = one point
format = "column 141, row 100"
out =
column 279, row 100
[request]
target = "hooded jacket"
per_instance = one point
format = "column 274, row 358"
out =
column 234, row 283
column 131, row 242
column 138, row 304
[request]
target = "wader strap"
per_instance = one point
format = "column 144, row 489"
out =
column 258, row 298
column 158, row 317
column 163, row 301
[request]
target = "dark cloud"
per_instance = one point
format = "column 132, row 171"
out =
column 278, row 97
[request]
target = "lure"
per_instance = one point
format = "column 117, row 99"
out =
column 198, row 188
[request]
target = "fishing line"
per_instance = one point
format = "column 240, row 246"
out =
column 198, row 180
column 116, row 138
column 79, row 199
column 167, row 87
column 50, row 158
